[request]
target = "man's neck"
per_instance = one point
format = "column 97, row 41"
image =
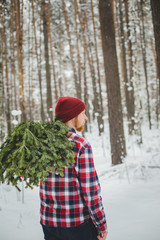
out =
column 71, row 124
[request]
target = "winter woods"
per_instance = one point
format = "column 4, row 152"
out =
column 104, row 52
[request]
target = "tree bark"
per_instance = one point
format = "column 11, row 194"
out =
column 15, row 92
column 128, row 84
column 136, row 61
column 101, row 113
column 7, row 98
column 38, row 64
column 52, row 53
column 77, row 86
column 155, row 6
column 131, row 104
column 1, row 84
column 87, row 45
column 19, row 35
column 143, row 47
column 117, row 139
column 47, row 64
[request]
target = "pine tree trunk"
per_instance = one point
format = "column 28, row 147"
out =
column 78, row 56
column 19, row 35
column 15, row 93
column 117, row 139
column 29, row 69
column 77, row 86
column 38, row 64
column 133, row 13
column 143, row 47
column 1, row 84
column 128, row 84
column 131, row 104
column 101, row 122
column 52, row 54
column 1, row 103
column 60, row 63
column 7, row 98
column 155, row 6
column 88, row 48
column 47, row 64
column 86, row 95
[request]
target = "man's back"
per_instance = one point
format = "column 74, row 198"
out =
column 67, row 201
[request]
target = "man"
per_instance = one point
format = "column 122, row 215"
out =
column 71, row 206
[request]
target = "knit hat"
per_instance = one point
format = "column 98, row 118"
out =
column 68, row 108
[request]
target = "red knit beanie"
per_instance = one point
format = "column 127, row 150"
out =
column 68, row 108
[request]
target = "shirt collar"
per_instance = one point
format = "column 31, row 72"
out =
column 72, row 129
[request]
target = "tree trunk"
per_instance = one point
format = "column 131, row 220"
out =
column 155, row 6
column 79, row 62
column 29, row 69
column 1, row 105
column 19, row 35
column 88, row 49
column 15, row 92
column 7, row 98
column 47, row 64
column 136, row 50
column 38, row 64
column 60, row 62
column 77, row 86
column 100, row 119
column 128, row 84
column 117, row 139
column 143, row 47
column 1, row 85
column 52, row 53
column 131, row 104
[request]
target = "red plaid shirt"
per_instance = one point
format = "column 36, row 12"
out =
column 70, row 200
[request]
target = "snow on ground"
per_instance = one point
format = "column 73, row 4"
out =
column 130, row 192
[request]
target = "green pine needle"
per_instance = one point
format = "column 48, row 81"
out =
column 33, row 150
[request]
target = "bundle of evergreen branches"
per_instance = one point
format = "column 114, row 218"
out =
column 32, row 150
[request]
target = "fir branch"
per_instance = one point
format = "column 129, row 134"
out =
column 32, row 150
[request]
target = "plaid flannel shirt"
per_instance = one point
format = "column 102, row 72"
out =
column 70, row 200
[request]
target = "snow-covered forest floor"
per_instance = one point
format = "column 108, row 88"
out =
column 130, row 192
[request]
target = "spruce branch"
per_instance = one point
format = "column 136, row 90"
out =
column 33, row 150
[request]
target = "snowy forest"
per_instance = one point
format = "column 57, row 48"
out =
column 107, row 53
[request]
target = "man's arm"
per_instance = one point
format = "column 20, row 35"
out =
column 91, row 188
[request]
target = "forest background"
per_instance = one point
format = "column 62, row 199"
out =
column 105, row 52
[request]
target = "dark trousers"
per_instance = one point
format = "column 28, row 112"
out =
column 84, row 231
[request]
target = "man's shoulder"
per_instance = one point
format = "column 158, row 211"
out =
column 81, row 142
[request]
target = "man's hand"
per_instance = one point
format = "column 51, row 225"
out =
column 103, row 236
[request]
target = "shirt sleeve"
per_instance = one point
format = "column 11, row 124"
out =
column 90, row 185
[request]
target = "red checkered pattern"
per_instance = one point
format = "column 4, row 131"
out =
column 70, row 200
